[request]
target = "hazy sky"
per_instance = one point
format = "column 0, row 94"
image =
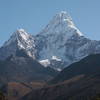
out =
column 33, row 15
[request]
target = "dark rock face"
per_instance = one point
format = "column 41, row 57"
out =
column 80, row 81
column 22, row 68
column 83, row 89
column 87, row 66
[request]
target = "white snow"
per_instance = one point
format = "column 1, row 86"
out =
column 57, row 32
column 45, row 62
column 58, row 69
column 21, row 32
column 55, row 58
column 23, row 40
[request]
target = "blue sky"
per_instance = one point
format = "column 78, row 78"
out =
column 33, row 15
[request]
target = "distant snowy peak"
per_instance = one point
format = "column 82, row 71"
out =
column 23, row 34
column 17, row 36
column 53, row 39
column 20, row 39
column 62, row 16
column 61, row 23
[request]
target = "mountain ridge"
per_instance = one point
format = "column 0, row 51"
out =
column 84, row 67
column 79, row 81
column 60, row 39
column 22, row 68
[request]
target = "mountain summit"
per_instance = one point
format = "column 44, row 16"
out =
column 61, row 23
column 63, row 40
column 18, row 36
column 58, row 45
column 20, row 39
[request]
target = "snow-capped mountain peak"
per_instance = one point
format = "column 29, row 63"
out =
column 55, row 35
column 20, row 39
column 61, row 23
column 64, row 19
column 63, row 15
column 22, row 33
column 19, row 36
